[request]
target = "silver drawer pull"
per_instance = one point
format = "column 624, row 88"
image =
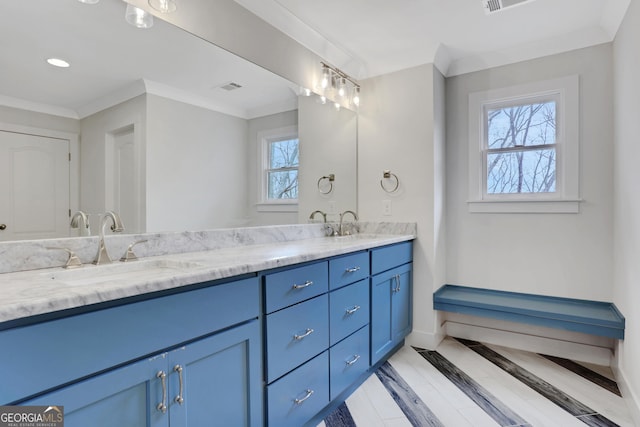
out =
column 352, row 310
column 179, row 399
column 300, row 401
column 304, row 285
column 356, row 357
column 352, row 269
column 306, row 334
column 162, row 406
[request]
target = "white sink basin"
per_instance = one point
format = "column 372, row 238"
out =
column 117, row 271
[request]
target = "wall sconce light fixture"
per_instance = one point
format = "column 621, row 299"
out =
column 337, row 85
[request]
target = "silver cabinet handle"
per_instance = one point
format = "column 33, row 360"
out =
column 179, row 399
column 300, row 401
column 306, row 334
column 352, row 269
column 162, row 406
column 304, row 285
column 356, row 357
column 397, row 279
column 352, row 310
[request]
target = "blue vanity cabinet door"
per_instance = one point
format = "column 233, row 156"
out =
column 391, row 308
column 125, row 397
column 348, row 360
column 221, row 380
column 298, row 396
column 348, row 310
column 348, row 269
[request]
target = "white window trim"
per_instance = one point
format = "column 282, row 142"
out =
column 566, row 199
column 263, row 138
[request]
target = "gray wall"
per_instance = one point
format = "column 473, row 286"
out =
column 627, row 200
column 555, row 254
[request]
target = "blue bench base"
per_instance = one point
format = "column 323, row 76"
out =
column 589, row 317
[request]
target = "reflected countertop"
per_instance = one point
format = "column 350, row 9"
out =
column 48, row 290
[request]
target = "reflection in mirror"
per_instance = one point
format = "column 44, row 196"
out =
column 154, row 121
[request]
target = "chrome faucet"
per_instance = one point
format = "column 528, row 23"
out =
column 81, row 220
column 313, row 214
column 340, row 229
column 102, row 257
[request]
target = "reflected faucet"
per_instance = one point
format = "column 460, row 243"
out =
column 340, row 229
column 324, row 216
column 102, row 257
column 81, row 220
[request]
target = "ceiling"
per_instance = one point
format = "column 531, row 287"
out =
column 372, row 37
column 112, row 61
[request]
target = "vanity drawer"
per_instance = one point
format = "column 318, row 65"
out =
column 288, row 287
column 348, row 360
column 348, row 269
column 387, row 257
column 309, row 321
column 308, row 381
column 348, row 310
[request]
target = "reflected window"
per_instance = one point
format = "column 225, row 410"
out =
column 282, row 171
column 280, row 159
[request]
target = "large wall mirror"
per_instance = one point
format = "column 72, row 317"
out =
column 161, row 126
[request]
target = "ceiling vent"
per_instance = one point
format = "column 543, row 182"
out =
column 230, row 86
column 492, row 6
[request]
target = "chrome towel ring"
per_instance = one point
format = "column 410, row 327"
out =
column 391, row 187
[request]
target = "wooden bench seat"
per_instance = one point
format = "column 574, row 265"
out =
column 589, row 317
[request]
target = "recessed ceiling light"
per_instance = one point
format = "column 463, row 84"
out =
column 89, row 1
column 57, row 62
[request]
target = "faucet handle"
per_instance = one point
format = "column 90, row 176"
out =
column 129, row 255
column 73, row 261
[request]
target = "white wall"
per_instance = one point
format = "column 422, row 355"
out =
column 566, row 255
column 400, row 128
column 196, row 167
column 627, row 199
column 328, row 145
column 96, row 131
column 257, row 125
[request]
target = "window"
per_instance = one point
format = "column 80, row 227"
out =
column 523, row 148
column 280, row 162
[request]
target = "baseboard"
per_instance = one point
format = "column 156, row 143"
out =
column 520, row 340
column 630, row 398
column 424, row 339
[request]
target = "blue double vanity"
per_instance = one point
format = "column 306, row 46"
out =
column 280, row 338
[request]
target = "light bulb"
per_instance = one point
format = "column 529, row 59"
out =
column 164, row 6
column 342, row 87
column 325, row 78
column 138, row 17
column 323, row 99
column 356, row 96
column 337, row 105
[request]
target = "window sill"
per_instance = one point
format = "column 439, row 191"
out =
column 277, row 207
column 524, row 206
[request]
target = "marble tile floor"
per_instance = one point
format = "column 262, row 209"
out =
column 465, row 383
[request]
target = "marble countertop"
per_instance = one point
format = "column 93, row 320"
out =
column 36, row 292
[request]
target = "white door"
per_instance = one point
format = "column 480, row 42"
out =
column 34, row 187
column 121, row 180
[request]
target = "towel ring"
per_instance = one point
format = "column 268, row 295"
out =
column 388, row 175
column 331, row 177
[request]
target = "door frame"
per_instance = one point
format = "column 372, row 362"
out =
column 74, row 150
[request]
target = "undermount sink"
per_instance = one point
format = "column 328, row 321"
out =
column 91, row 274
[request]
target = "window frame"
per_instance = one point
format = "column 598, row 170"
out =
column 265, row 138
column 565, row 92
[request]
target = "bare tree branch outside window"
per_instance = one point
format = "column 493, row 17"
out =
column 521, row 148
column 282, row 175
